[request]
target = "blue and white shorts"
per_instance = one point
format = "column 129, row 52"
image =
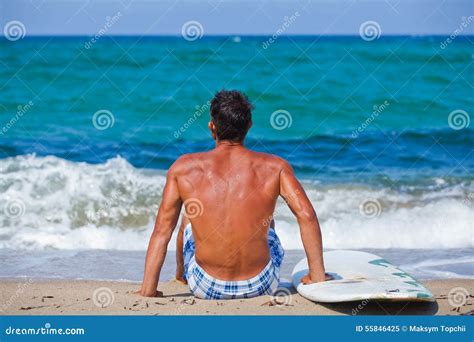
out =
column 204, row 286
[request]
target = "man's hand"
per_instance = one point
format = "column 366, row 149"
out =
column 181, row 280
column 151, row 294
column 308, row 280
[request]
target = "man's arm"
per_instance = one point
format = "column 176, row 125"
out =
column 164, row 225
column 295, row 196
column 179, row 251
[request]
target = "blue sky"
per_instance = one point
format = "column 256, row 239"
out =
column 146, row 17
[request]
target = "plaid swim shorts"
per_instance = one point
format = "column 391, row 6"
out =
column 204, row 286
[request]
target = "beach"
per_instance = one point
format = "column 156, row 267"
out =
column 386, row 161
column 332, row 142
column 84, row 297
column 59, row 283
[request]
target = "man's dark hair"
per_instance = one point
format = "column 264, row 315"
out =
column 231, row 113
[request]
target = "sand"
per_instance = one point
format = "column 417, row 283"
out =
column 83, row 297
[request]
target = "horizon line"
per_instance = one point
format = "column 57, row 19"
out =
column 250, row 35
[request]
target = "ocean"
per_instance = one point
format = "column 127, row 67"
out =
column 378, row 132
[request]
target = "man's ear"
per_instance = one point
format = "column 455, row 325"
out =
column 250, row 125
column 212, row 128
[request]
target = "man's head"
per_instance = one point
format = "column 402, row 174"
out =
column 231, row 115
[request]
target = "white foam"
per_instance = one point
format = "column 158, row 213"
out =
column 68, row 205
column 459, row 267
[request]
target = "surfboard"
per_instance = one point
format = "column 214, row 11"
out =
column 360, row 276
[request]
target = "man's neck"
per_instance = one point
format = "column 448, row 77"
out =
column 228, row 144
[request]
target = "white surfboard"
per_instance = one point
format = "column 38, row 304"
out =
column 358, row 276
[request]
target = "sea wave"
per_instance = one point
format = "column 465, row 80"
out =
column 52, row 203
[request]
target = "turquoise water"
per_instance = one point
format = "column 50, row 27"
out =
column 384, row 123
column 329, row 86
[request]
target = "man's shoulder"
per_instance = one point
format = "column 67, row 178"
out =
column 186, row 162
column 271, row 159
column 191, row 157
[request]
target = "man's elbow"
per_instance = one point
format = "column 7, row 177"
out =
column 161, row 236
column 308, row 215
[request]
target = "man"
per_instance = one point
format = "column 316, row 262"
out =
column 230, row 249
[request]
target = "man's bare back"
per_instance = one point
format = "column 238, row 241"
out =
column 229, row 196
column 235, row 191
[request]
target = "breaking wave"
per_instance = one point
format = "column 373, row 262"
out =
column 52, row 203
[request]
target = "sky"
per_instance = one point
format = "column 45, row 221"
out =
column 147, row 17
